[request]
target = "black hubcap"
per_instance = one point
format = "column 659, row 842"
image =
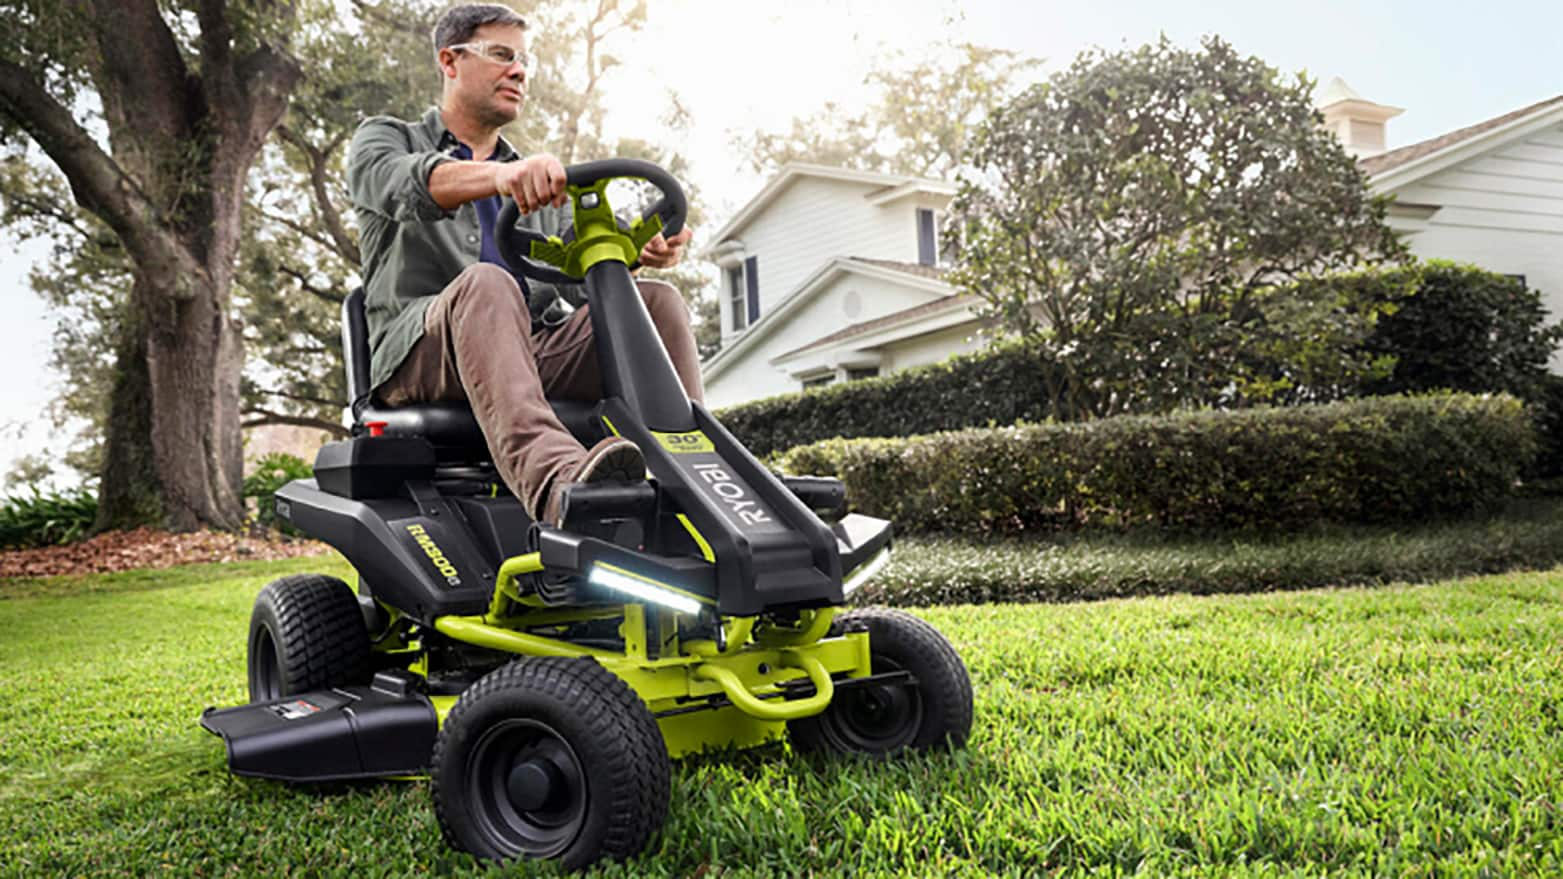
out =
column 877, row 718
column 529, row 788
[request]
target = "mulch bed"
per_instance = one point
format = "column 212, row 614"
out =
column 148, row 548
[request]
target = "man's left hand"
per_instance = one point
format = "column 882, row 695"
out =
column 665, row 253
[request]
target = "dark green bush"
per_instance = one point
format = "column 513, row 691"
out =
column 272, row 472
column 46, row 519
column 1383, row 459
column 1001, row 385
column 1454, row 328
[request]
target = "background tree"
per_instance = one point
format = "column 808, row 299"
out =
column 922, row 113
column 1134, row 213
column 154, row 121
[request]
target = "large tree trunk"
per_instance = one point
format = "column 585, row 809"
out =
column 194, row 358
column 128, row 492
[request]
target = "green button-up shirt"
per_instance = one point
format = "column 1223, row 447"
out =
column 411, row 248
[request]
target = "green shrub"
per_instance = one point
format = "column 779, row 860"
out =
column 1452, row 327
column 46, row 519
column 1383, row 459
column 1001, row 385
column 272, row 472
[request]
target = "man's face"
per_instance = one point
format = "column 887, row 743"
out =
column 491, row 91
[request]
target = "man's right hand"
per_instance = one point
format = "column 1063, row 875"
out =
column 533, row 182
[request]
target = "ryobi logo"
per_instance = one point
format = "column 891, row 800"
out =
column 732, row 494
column 441, row 563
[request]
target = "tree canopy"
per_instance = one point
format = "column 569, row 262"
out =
column 1135, row 212
column 919, row 122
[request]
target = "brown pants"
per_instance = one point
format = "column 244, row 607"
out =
column 478, row 345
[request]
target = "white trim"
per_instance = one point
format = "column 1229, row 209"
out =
column 733, row 351
column 1416, row 169
column 909, row 327
column 914, row 186
column 795, row 170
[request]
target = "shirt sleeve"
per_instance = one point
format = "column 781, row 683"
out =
column 386, row 176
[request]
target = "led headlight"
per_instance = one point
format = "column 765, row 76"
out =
column 866, row 571
column 629, row 583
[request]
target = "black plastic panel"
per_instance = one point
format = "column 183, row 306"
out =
column 328, row 735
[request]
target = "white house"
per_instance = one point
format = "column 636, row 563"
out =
column 831, row 275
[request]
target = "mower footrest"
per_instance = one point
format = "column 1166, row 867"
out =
column 328, row 735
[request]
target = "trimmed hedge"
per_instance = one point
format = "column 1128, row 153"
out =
column 996, row 386
column 1382, row 459
column 1455, row 327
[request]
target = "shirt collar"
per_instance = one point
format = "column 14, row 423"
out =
column 434, row 126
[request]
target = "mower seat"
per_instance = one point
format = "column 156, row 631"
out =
column 449, row 426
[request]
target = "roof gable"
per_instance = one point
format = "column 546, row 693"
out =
column 1400, row 166
column 919, row 277
column 879, row 188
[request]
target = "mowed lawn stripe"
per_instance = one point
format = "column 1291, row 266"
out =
column 1401, row 730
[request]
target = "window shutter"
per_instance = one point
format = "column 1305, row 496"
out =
column 752, row 279
column 925, row 236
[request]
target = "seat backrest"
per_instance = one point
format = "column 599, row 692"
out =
column 355, row 349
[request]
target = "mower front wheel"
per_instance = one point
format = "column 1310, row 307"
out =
column 550, row 758
column 306, row 633
column 881, row 719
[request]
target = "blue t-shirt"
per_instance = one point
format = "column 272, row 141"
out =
column 488, row 217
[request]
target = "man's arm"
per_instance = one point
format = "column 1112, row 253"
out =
column 385, row 176
column 533, row 181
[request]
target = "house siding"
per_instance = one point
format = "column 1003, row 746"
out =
column 814, row 220
column 754, row 376
column 1503, row 211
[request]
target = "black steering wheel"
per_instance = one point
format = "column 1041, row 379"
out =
column 515, row 244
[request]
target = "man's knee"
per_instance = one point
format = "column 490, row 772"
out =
column 485, row 280
column 664, row 302
column 487, row 287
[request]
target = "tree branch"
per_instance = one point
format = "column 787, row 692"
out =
column 303, row 281
column 266, row 416
column 330, row 217
column 98, row 183
column 140, row 54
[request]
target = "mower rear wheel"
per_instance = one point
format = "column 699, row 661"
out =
column 306, row 633
column 550, row 758
column 935, row 712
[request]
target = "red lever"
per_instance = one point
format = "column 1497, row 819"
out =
column 376, row 428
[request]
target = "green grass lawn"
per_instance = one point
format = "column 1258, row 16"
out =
column 1395, row 731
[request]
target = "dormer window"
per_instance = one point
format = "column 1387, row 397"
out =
column 934, row 249
column 743, row 293
column 735, row 298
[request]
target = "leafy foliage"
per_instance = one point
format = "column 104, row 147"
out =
column 920, row 121
column 1132, row 212
column 1381, row 459
column 1461, row 328
column 46, row 519
column 272, row 472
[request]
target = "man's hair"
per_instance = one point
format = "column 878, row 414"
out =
column 459, row 22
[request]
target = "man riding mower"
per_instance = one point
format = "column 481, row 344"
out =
column 542, row 673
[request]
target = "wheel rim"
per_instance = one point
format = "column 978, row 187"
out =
column 876, row 718
column 529, row 789
column 265, row 667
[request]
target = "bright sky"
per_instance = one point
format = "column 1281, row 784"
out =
column 742, row 64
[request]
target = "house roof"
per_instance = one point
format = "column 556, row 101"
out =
column 1383, row 163
column 887, row 187
column 906, row 315
column 920, row 277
